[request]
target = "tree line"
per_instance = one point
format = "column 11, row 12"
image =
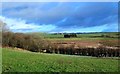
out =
column 101, row 51
column 37, row 44
column 24, row 41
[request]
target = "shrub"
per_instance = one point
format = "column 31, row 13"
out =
column 25, row 41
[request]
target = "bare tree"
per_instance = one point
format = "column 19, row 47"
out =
column 3, row 27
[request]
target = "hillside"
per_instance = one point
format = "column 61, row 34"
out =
column 25, row 61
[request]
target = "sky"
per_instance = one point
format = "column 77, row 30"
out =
column 55, row 17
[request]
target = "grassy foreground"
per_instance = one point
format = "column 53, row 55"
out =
column 25, row 61
column 0, row 60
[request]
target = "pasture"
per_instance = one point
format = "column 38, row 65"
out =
column 83, row 39
column 24, row 61
column 101, row 35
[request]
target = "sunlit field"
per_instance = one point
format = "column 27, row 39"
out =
column 25, row 61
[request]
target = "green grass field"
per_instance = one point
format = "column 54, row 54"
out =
column 84, row 36
column 25, row 61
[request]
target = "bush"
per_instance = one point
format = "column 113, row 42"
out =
column 24, row 41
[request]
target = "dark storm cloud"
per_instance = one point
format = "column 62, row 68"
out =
column 93, row 14
column 64, row 15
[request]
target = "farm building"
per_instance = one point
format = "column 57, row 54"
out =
column 69, row 35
